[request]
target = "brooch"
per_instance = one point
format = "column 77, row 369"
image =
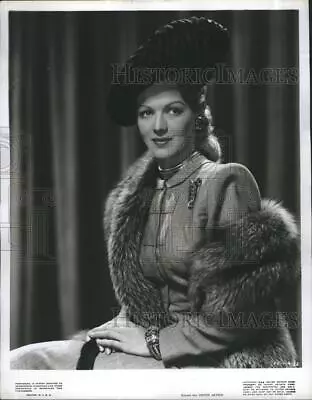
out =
column 193, row 189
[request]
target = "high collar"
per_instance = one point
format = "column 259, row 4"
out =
column 191, row 164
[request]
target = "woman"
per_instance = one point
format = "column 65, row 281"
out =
column 198, row 261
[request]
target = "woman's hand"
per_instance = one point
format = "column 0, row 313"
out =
column 128, row 338
column 120, row 320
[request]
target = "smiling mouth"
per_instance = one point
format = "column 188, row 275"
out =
column 161, row 141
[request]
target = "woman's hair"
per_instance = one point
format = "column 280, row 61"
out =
column 205, row 141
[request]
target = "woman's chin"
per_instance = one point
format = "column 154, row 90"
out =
column 162, row 154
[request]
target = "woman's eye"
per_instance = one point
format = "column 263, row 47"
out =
column 145, row 113
column 175, row 111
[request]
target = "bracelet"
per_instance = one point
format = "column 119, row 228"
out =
column 152, row 341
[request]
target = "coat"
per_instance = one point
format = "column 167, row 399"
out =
column 207, row 260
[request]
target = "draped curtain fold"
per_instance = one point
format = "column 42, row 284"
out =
column 67, row 154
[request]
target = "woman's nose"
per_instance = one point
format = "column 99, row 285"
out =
column 160, row 127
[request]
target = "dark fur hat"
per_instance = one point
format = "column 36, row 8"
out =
column 184, row 51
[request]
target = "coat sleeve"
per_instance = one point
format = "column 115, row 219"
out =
column 232, row 193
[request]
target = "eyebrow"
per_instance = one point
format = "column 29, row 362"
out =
column 167, row 105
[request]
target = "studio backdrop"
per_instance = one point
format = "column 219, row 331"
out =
column 66, row 153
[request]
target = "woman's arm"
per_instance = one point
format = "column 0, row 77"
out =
column 232, row 273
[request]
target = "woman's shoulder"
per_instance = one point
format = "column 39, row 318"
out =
column 233, row 169
column 228, row 172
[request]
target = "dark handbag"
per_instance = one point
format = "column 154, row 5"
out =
column 88, row 354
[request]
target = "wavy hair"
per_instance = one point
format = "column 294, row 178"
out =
column 206, row 142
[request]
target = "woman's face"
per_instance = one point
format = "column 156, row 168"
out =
column 166, row 124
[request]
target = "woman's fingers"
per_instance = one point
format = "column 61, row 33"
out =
column 106, row 334
column 112, row 344
column 101, row 348
column 97, row 329
column 106, row 350
column 116, row 323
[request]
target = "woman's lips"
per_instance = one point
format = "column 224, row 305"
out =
column 161, row 142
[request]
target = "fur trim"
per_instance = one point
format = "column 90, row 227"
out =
column 248, row 265
column 125, row 216
column 241, row 275
column 277, row 351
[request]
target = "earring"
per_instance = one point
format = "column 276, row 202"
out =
column 201, row 122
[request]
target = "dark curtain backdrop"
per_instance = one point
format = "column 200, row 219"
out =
column 67, row 154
